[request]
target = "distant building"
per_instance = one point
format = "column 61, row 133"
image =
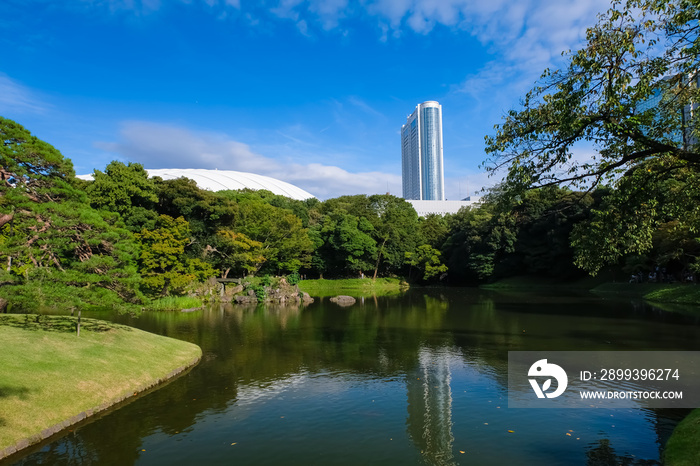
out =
column 424, row 208
column 220, row 180
column 663, row 96
column 690, row 116
column 421, row 154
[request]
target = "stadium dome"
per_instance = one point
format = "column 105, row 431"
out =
column 219, row 180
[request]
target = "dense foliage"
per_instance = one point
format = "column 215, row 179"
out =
column 623, row 115
column 55, row 248
column 628, row 99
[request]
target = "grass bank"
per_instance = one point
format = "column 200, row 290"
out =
column 51, row 378
column 676, row 293
column 671, row 293
column 683, row 447
column 353, row 286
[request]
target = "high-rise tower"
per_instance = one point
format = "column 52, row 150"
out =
column 421, row 154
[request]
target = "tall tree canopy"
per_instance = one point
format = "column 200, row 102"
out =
column 164, row 266
column 631, row 94
column 54, row 248
column 127, row 190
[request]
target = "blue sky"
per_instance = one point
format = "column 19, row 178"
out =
column 310, row 92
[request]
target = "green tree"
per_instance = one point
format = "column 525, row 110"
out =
column 391, row 222
column 297, row 207
column 396, row 231
column 126, row 190
column 434, row 229
column 480, row 237
column 544, row 220
column 55, row 249
column 637, row 50
column 164, row 266
column 286, row 243
column 237, row 252
column 427, row 260
column 205, row 211
column 344, row 245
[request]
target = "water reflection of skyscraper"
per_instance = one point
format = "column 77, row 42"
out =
column 429, row 421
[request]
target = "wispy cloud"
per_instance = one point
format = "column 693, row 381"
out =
column 157, row 145
column 526, row 37
column 18, row 99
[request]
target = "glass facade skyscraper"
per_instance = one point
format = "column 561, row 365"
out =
column 421, row 154
column 663, row 102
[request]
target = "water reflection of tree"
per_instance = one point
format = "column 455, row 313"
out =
column 604, row 455
column 251, row 348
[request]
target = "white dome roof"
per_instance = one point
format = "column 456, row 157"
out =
column 220, row 180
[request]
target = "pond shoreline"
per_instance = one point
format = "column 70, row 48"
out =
column 671, row 293
column 369, row 374
column 49, row 344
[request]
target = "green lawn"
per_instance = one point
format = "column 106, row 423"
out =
column 677, row 293
column 49, row 375
column 683, row 448
column 353, row 286
column 673, row 293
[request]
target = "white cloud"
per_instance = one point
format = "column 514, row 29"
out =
column 530, row 35
column 18, row 99
column 165, row 146
column 515, row 30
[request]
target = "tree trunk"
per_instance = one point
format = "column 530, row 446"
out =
column 379, row 257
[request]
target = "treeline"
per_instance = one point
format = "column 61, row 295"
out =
column 124, row 238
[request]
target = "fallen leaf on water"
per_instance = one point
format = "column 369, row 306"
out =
column 234, row 443
column 511, row 431
column 462, row 451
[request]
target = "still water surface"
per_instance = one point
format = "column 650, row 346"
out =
column 415, row 379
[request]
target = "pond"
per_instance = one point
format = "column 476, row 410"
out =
column 415, row 379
